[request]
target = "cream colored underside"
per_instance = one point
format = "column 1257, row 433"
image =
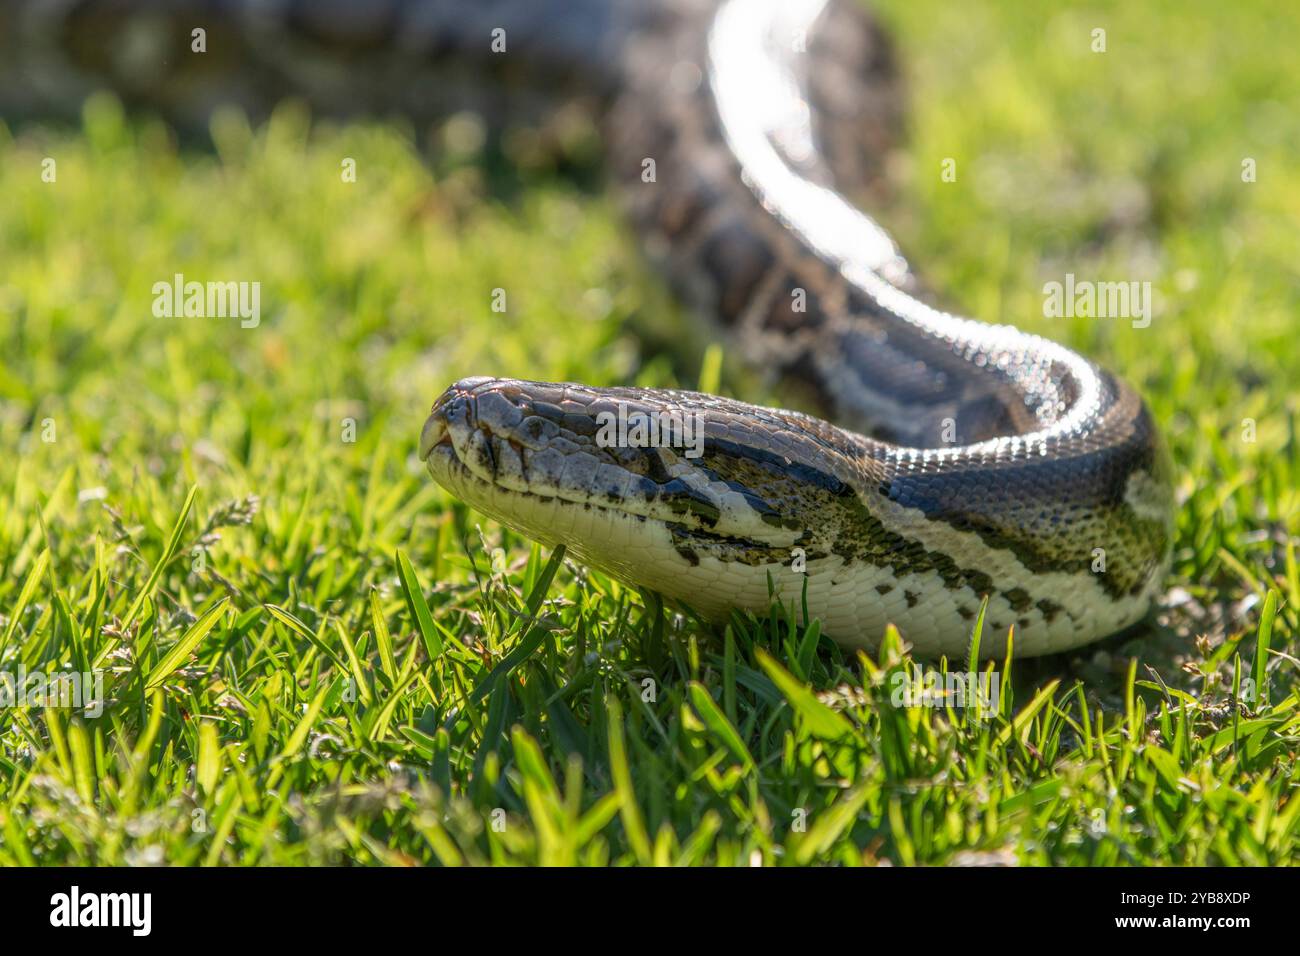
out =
column 844, row 598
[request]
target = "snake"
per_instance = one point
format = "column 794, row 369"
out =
column 947, row 470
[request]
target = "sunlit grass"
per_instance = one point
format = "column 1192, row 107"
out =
column 312, row 654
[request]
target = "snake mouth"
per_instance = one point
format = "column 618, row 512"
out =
column 471, row 438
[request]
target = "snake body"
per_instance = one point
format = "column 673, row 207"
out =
column 970, row 461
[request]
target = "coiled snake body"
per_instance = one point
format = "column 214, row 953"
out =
column 971, row 461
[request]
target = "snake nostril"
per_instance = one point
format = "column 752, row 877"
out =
column 454, row 410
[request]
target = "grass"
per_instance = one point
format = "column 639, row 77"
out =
column 313, row 655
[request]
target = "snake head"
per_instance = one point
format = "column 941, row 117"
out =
column 668, row 489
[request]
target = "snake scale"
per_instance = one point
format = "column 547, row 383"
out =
column 969, row 461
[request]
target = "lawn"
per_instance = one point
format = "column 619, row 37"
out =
column 311, row 654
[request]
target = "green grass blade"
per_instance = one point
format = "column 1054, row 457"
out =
column 817, row 718
column 25, row 597
column 383, row 639
column 629, row 810
column 185, row 646
column 419, row 609
column 543, row 585
column 716, row 721
column 1263, row 639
